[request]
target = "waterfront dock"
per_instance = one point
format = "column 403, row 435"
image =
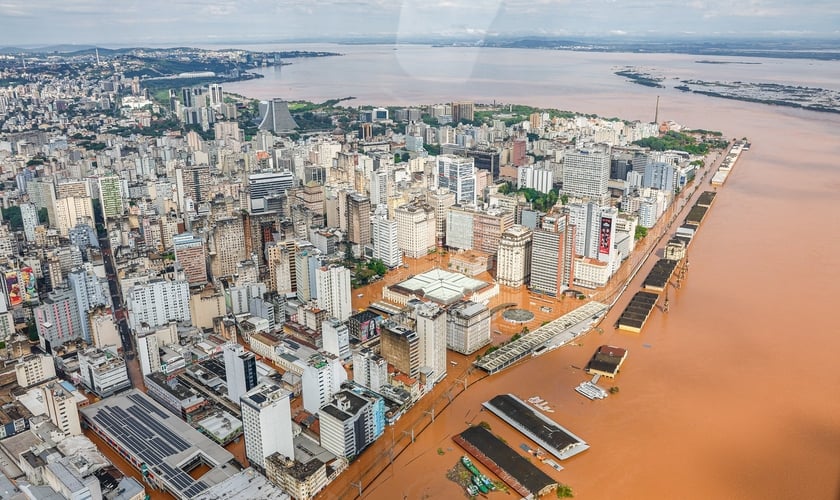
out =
column 551, row 436
column 658, row 277
column 517, row 472
column 637, row 312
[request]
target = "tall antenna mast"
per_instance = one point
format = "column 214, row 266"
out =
column 656, row 116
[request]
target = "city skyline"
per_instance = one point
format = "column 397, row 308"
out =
column 40, row 23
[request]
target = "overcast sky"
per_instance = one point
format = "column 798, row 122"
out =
column 138, row 22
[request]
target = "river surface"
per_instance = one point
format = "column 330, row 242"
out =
column 733, row 393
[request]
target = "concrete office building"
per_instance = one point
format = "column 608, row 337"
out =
column 322, row 377
column 369, row 369
column 358, row 219
column 386, row 241
column 62, row 408
column 400, row 346
column 240, row 371
column 457, row 175
column 267, row 424
column 586, row 174
column 440, row 200
column 416, row 229
column 351, row 422
column 110, row 196
column 467, row 327
column 34, row 369
column 103, row 371
column 158, row 302
column 336, row 337
column 334, row 291
column 513, row 263
column 190, row 253
column 553, row 256
column 431, row 329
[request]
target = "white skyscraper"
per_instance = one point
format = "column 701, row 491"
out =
column 333, row 289
column 321, row 378
column 267, row 423
column 416, row 229
column 586, row 173
column 385, row 245
column 513, row 263
column 369, row 369
column 431, row 328
column 240, row 370
column 595, row 229
column 457, row 175
column 158, row 302
column 336, row 338
column 29, row 217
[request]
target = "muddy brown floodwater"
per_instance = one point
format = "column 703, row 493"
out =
column 732, row 394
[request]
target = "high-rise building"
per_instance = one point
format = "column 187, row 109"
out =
column 369, row 369
column 431, row 328
column 189, row 252
column 29, row 217
column 57, row 319
column 595, row 233
column 281, row 266
column 336, row 337
column 275, row 117
column 416, row 229
column 400, row 346
column 385, row 241
column 228, row 246
column 91, row 292
column 70, row 211
column 103, row 371
column 267, row 424
column 150, row 342
column 263, row 187
column 322, row 377
column 358, row 219
column 463, row 110
column 541, row 179
column 457, row 175
column 351, row 422
column 307, row 260
column 110, row 196
column 216, row 95
column 586, row 174
column 62, row 408
column 553, row 256
column 513, row 262
column 470, row 229
column 240, row 371
column 158, row 302
column 334, row 291
column 440, row 200
column 661, row 176
column 192, row 182
column 34, row 369
column 467, row 327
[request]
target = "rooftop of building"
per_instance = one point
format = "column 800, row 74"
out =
column 172, row 387
column 160, row 441
column 441, row 286
column 301, row 471
column 245, row 484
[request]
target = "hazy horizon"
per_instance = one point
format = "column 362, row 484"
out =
column 134, row 23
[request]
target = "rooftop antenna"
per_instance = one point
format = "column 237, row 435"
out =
column 656, row 116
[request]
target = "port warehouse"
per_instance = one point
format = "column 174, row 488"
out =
column 517, row 472
column 542, row 430
column 514, row 351
column 637, row 312
column 658, row 277
column 641, row 305
column 606, row 361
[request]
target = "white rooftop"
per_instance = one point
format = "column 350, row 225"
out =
column 442, row 286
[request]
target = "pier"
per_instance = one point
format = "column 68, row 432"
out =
column 520, row 474
column 658, row 277
column 637, row 312
column 552, row 437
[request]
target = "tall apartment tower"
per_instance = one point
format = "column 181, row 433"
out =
column 431, row 328
column 29, row 217
column 385, row 241
column 457, row 175
column 267, row 424
column 467, row 327
column 62, row 408
column 110, row 196
column 586, row 173
column 216, row 95
column 369, row 369
column 463, row 110
column 358, row 219
column 334, row 291
column 513, row 262
column 595, row 229
column 400, row 346
column 322, row 377
column 228, row 246
column 240, row 371
column 158, row 302
column 190, row 253
column 416, row 229
column 553, row 255
column 336, row 337
column 307, row 260
column 440, row 200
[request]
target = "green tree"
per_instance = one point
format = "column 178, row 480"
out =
column 397, row 158
column 641, row 232
column 12, row 216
